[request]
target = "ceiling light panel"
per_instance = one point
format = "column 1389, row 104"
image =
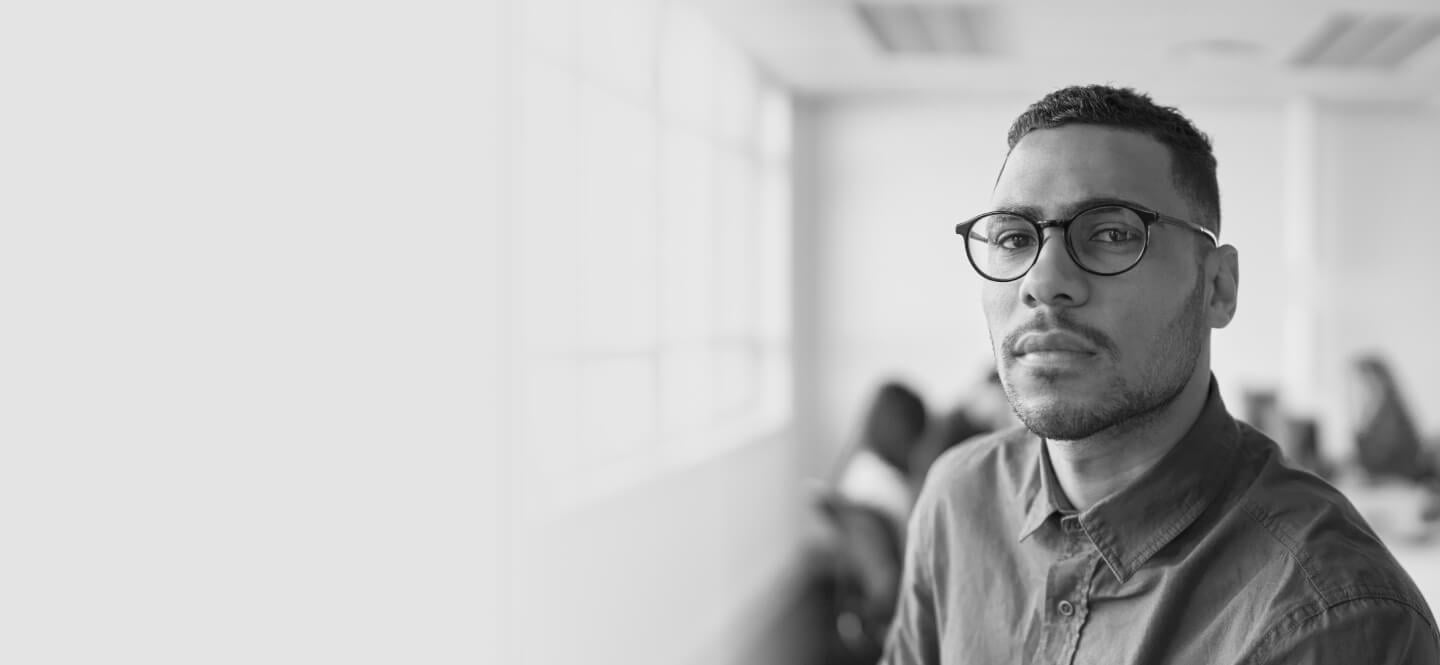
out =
column 931, row 29
column 1385, row 41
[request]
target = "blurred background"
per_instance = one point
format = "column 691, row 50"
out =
column 731, row 222
column 553, row 331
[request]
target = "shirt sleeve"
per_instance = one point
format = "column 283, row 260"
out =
column 912, row 639
column 1367, row 630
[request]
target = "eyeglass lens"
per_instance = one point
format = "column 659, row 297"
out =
column 1104, row 240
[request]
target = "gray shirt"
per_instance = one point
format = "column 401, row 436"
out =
column 1221, row 553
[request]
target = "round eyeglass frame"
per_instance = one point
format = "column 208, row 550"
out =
column 1147, row 216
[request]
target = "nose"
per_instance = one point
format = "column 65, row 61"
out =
column 1055, row 280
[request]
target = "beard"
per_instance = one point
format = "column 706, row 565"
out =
column 1121, row 404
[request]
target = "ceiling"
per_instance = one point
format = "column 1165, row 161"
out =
column 1221, row 49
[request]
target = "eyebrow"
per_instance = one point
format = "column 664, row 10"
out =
column 1069, row 210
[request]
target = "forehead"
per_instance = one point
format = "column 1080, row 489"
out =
column 1052, row 169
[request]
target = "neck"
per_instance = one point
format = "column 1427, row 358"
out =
column 1093, row 468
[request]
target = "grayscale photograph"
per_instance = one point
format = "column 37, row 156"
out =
column 720, row 332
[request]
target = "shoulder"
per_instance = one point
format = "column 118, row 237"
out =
column 986, row 462
column 1327, row 566
column 1356, row 630
column 983, row 477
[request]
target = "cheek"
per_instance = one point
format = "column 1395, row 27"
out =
column 998, row 300
column 1148, row 300
column 1146, row 319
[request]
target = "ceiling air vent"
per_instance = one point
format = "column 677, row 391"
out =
column 930, row 29
column 1367, row 41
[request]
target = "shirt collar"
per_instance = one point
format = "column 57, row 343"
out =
column 1042, row 494
column 1131, row 525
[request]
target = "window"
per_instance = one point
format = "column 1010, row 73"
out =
column 650, row 246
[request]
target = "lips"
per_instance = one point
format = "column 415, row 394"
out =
column 1053, row 341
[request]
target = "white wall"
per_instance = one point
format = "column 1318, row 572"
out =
column 1382, row 169
column 493, row 511
column 888, row 290
column 700, row 566
column 248, row 343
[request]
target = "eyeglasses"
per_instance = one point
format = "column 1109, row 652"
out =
column 1104, row 239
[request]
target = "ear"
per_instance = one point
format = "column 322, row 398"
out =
column 1222, row 270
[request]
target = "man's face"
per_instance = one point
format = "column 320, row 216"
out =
column 1079, row 353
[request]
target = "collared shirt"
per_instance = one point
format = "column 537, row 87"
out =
column 1220, row 553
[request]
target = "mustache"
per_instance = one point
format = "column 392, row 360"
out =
column 1062, row 322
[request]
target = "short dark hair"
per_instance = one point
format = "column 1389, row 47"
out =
column 1191, row 156
column 894, row 424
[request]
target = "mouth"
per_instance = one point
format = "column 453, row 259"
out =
column 1054, row 354
column 1055, row 360
column 1054, row 351
column 1049, row 367
column 1054, row 343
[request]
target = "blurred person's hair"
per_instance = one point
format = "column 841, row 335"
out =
column 1191, row 156
column 895, row 422
column 1387, row 440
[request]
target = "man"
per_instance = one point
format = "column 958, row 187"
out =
column 1132, row 520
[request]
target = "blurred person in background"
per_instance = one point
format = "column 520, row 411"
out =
column 1132, row 519
column 875, row 490
column 1387, row 444
column 1398, row 487
column 983, row 409
column 867, row 506
column 875, row 472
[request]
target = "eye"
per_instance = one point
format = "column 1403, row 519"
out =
column 1014, row 240
column 1114, row 234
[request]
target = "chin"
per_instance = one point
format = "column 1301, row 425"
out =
column 1061, row 406
column 1065, row 423
column 1069, row 411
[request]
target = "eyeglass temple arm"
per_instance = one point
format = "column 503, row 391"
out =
column 968, row 230
column 1190, row 225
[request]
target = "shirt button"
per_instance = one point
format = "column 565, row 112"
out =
column 1065, row 608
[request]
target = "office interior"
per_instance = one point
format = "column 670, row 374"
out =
column 784, row 179
column 529, row 331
